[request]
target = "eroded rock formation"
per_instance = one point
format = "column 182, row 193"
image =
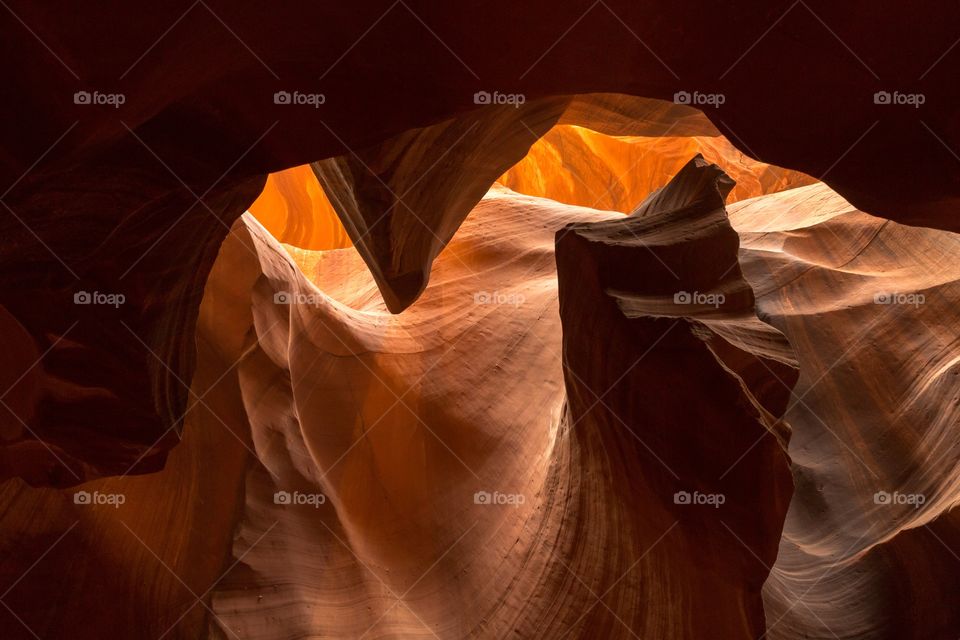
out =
column 405, row 460
column 155, row 448
column 430, row 413
column 868, row 306
column 642, row 338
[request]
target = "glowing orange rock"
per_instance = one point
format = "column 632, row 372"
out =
column 294, row 208
column 579, row 166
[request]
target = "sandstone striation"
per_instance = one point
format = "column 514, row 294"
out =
column 514, row 376
column 487, row 357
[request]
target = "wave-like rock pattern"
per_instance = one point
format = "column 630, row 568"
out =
column 89, row 188
column 399, row 420
column 848, row 565
column 870, row 542
column 402, row 424
column 137, row 200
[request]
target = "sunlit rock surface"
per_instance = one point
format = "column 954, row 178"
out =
column 296, row 211
column 869, row 306
column 401, row 201
column 580, row 166
column 826, row 556
column 406, row 426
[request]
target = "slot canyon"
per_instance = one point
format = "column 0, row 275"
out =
column 408, row 320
